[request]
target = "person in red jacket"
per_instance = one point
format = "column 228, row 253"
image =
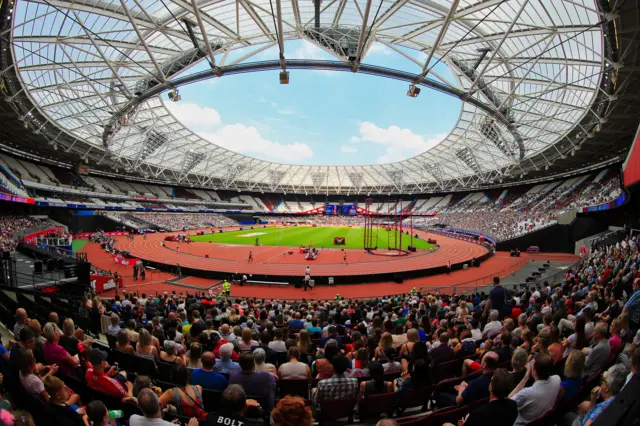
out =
column 106, row 379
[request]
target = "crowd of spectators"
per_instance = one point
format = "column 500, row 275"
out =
column 185, row 221
column 9, row 225
column 522, row 353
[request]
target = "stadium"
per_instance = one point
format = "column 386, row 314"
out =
column 386, row 212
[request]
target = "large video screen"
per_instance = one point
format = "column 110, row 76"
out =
column 348, row 210
column 631, row 167
column 330, row 209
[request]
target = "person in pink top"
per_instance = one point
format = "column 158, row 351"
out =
column 615, row 341
column 56, row 354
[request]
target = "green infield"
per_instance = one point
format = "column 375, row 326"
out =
column 320, row 237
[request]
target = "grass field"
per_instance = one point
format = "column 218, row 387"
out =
column 321, row 237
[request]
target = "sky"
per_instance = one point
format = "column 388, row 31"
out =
column 320, row 117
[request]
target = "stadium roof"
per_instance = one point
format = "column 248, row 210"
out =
column 536, row 79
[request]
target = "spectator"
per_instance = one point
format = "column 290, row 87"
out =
column 233, row 404
column 494, row 326
column 145, row 347
column 632, row 307
column 21, row 321
column 149, row 404
column 123, row 343
column 538, row 399
column 376, row 385
column 259, row 384
column 169, row 354
column 504, row 351
column 32, row 382
column 278, row 344
column 186, row 398
column 294, row 369
column 337, row 387
column 419, row 377
column 193, row 359
column 613, row 380
column 518, row 364
column 476, row 389
column 259, row 357
column 226, row 365
column 114, row 325
column 56, row 354
column 442, row 352
column 598, row 356
column 573, row 371
column 98, row 415
column 60, row 411
column 501, row 410
column 206, row 377
column 246, row 342
column 292, row 411
column 108, row 380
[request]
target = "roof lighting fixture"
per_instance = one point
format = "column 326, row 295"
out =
column 413, row 91
column 174, row 96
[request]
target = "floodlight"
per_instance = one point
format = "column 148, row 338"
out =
column 174, row 96
column 413, row 91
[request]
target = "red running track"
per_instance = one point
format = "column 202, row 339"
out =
column 465, row 280
column 275, row 261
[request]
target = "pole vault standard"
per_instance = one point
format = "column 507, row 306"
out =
column 368, row 243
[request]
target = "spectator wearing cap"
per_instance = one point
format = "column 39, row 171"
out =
column 103, row 378
column 206, row 376
column 226, row 364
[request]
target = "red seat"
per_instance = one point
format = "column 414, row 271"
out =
column 335, row 409
column 294, row 387
column 373, row 406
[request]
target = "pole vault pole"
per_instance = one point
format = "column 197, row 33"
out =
column 401, row 216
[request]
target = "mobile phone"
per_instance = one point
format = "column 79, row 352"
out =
column 115, row 364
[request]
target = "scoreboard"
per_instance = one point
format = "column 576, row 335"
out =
column 340, row 209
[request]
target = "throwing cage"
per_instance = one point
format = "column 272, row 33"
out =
column 392, row 222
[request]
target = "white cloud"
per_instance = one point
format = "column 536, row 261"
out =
column 355, row 139
column 274, row 104
column 237, row 137
column 247, row 140
column 379, row 49
column 286, row 111
column 194, row 116
column 348, row 149
column 399, row 143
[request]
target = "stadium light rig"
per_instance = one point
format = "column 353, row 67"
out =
column 174, row 95
column 413, row 91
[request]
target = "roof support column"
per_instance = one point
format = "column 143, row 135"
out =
column 143, row 41
column 203, row 32
column 436, row 44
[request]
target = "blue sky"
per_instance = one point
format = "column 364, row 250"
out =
column 321, row 117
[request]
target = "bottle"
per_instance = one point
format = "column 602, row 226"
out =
column 116, row 414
